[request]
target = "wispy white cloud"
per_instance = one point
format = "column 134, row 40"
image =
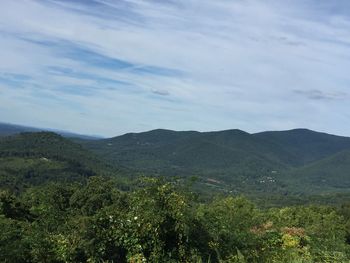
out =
column 109, row 67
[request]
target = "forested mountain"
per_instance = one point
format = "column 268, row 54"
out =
column 306, row 146
column 233, row 159
column 36, row 158
column 297, row 161
column 165, row 151
column 328, row 174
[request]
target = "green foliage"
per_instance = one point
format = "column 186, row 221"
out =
column 13, row 247
column 229, row 222
column 160, row 222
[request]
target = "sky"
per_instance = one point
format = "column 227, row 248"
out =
column 108, row 67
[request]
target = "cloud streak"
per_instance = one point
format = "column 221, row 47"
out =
column 110, row 67
column 320, row 95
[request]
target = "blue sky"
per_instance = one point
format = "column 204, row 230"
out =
column 111, row 67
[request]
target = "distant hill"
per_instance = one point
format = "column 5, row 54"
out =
column 44, row 144
column 35, row 158
column 299, row 161
column 233, row 159
column 7, row 129
column 326, row 175
column 178, row 152
column 305, row 146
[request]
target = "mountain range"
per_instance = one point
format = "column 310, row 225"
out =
column 300, row 160
column 284, row 162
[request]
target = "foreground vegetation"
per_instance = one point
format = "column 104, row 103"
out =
column 159, row 221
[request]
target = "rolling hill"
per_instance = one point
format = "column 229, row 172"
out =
column 36, row 158
column 233, row 159
column 299, row 161
column 305, row 146
column 326, row 175
column 165, row 151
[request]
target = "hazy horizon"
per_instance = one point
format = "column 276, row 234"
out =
column 120, row 134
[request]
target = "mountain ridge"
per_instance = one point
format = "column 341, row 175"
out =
column 230, row 156
column 235, row 160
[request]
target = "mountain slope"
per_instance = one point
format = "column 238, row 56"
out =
column 329, row 174
column 218, row 150
column 36, row 158
column 298, row 160
column 305, row 146
column 162, row 151
column 231, row 159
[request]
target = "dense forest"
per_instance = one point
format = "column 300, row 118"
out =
column 161, row 221
column 60, row 202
